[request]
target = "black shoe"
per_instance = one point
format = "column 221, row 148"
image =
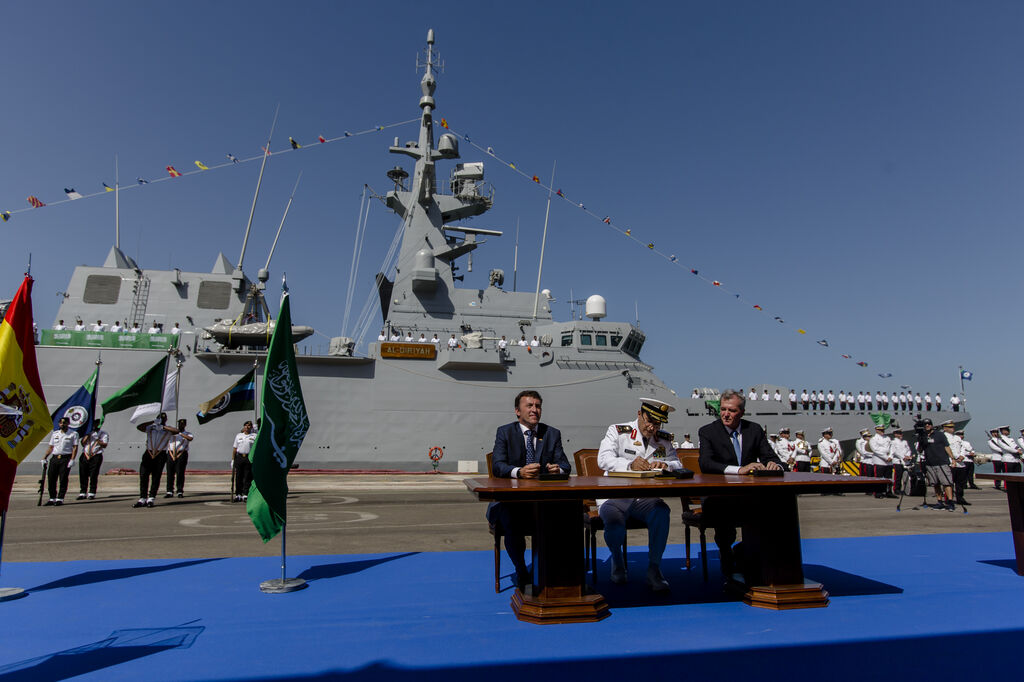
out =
column 964, row 502
column 656, row 580
column 59, row 502
column 950, row 506
column 140, row 503
column 50, row 503
column 974, row 487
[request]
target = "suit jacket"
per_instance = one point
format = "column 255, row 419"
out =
column 716, row 451
column 510, row 449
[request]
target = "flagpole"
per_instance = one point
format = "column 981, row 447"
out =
column 259, row 181
column 117, row 207
column 177, row 387
column 963, row 391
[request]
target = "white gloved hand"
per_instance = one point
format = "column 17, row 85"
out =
column 70, row 462
column 43, row 462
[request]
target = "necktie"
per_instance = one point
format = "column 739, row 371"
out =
column 736, row 447
column 531, row 453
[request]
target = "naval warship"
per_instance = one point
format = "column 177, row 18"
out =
column 397, row 405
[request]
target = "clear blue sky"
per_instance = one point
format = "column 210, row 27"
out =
column 855, row 168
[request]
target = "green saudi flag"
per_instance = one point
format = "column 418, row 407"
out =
column 147, row 389
column 284, row 425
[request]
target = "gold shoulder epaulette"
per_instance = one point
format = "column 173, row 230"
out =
column 665, row 435
column 624, row 428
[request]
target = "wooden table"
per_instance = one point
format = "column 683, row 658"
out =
column 1015, row 498
column 560, row 593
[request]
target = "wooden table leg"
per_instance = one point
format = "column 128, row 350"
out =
column 560, row 593
column 771, row 543
column 1015, row 498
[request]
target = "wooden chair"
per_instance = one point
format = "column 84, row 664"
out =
column 693, row 515
column 495, row 531
column 586, row 465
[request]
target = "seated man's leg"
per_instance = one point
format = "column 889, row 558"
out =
column 614, row 514
column 721, row 514
column 514, row 521
column 655, row 513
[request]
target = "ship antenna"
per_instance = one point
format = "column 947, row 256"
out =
column 515, row 258
column 117, row 207
column 259, row 180
column 285, row 216
column 543, row 241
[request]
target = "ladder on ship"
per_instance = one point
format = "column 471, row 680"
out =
column 140, row 299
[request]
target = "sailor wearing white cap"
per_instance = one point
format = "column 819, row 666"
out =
column 864, row 454
column 881, row 448
column 829, row 453
column 968, row 451
column 902, row 457
column 996, row 445
column 638, row 445
column 801, row 452
column 958, row 464
column 1012, row 452
column 784, row 447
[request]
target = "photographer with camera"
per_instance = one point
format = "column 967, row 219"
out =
column 937, row 458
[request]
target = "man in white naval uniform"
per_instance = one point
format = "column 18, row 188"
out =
column 785, row 448
column 903, row 460
column 830, row 453
column 764, row 395
column 860, row 400
column 842, row 400
column 954, row 402
column 792, row 399
column 831, row 398
column 958, row 464
column 938, row 402
column 864, row 454
column 1011, row 451
column 801, row 453
column 881, row 449
column 968, row 451
column 903, row 402
column 803, row 399
column 638, row 445
column 882, row 400
column 894, row 401
column 752, row 395
column 917, row 402
column 777, row 397
column 927, row 402
column 821, row 399
column 996, row 445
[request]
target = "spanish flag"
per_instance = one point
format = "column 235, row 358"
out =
column 20, row 389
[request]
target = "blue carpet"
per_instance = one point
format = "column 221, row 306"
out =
column 903, row 605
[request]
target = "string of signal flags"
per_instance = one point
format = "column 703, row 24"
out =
column 170, row 172
column 199, row 166
column 650, row 245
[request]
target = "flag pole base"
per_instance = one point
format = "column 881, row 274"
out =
column 279, row 586
column 9, row 593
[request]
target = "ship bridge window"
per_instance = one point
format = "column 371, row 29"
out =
column 567, row 339
column 634, row 342
column 214, row 295
column 616, row 339
column 102, row 289
column 586, row 340
column 601, row 339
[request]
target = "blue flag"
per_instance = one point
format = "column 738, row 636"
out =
column 80, row 408
column 241, row 395
column 965, row 375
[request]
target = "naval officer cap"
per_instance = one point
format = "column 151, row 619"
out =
column 960, row 432
column 948, row 422
column 1004, row 427
column 784, row 429
column 865, row 432
column 799, row 432
column 656, row 410
column 828, row 430
column 879, row 427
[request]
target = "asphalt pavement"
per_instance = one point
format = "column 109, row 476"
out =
column 373, row 513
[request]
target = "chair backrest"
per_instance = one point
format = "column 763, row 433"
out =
column 490, row 465
column 586, row 462
column 690, row 458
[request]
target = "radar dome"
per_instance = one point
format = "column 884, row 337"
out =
column 596, row 307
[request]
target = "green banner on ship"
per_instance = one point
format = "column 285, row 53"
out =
column 881, row 418
column 66, row 337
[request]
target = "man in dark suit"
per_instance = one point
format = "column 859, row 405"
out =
column 732, row 445
column 523, row 449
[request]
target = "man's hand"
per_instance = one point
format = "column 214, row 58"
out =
column 656, row 464
column 529, row 471
column 640, row 464
column 553, row 468
column 753, row 466
column 773, row 465
column 70, row 462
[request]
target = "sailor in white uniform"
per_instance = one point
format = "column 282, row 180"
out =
column 830, row 453
column 881, row 450
column 801, row 452
column 996, row 445
column 968, row 451
column 864, row 453
column 903, row 460
column 785, row 448
column 792, row 399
